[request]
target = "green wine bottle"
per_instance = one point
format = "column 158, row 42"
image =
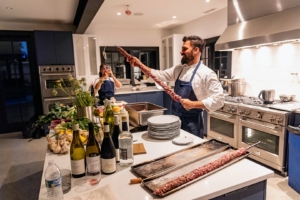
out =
column 77, row 154
column 109, row 116
column 92, row 152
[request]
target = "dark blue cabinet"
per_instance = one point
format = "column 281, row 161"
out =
column 156, row 98
column 129, row 98
column 167, row 104
column 54, row 47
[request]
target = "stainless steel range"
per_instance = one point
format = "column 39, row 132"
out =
column 49, row 75
column 246, row 120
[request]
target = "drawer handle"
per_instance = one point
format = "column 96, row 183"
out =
column 236, row 191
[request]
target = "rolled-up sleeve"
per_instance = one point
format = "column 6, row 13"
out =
column 215, row 97
column 166, row 75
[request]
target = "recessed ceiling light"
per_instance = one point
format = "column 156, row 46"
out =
column 207, row 0
column 174, row 17
column 9, row 8
column 118, row 13
column 138, row 14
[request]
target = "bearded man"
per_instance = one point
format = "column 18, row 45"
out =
column 197, row 84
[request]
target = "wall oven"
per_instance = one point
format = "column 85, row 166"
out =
column 223, row 124
column 268, row 127
column 49, row 77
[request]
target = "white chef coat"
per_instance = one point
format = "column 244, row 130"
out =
column 206, row 85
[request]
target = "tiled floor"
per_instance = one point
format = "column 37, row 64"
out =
column 21, row 165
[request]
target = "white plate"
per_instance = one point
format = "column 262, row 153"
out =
column 163, row 119
column 182, row 140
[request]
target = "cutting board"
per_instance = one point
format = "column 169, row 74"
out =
column 138, row 148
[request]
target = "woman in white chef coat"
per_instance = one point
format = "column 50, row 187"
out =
column 197, row 84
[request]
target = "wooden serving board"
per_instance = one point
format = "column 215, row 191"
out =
column 138, row 148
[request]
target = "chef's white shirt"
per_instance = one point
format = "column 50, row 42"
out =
column 206, row 85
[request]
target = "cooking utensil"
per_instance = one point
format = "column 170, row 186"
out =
column 267, row 96
column 286, row 98
column 236, row 87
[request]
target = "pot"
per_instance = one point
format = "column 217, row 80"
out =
column 236, row 87
column 286, row 98
column 267, row 96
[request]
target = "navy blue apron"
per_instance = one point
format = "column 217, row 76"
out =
column 106, row 91
column 191, row 121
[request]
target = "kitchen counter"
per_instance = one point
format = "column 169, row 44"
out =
column 238, row 175
column 143, row 90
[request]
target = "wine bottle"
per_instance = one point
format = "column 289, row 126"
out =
column 115, row 136
column 77, row 154
column 125, row 144
column 108, row 153
column 92, row 152
column 109, row 116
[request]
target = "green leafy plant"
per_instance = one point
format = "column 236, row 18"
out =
column 82, row 122
column 59, row 111
column 79, row 97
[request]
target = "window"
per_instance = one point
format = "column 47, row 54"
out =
column 218, row 61
column 122, row 69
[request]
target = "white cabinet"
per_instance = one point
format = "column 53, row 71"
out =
column 87, row 57
column 171, row 47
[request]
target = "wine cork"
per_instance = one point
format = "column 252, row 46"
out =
column 135, row 180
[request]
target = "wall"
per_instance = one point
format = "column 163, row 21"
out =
column 128, row 36
column 269, row 68
column 211, row 25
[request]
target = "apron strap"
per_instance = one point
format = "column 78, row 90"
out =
column 195, row 72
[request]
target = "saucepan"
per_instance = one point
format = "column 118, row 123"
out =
column 286, row 98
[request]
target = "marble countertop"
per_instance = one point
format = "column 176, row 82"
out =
column 237, row 175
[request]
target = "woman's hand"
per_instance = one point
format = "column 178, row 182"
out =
column 109, row 72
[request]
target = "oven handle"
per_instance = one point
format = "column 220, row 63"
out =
column 54, row 74
column 268, row 127
column 222, row 115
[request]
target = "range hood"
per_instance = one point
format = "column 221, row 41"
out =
column 255, row 23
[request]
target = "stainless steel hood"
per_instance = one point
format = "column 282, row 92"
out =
column 254, row 23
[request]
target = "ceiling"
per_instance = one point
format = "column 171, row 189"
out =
column 156, row 13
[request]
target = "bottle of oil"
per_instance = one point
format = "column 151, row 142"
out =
column 109, row 116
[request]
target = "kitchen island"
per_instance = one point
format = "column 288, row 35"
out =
column 244, row 178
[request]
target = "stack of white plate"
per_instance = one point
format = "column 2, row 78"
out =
column 164, row 126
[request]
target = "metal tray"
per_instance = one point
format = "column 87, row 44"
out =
column 154, row 182
column 140, row 112
column 153, row 168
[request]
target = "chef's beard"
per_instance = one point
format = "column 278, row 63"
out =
column 186, row 59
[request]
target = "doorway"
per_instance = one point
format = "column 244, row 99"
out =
column 19, row 98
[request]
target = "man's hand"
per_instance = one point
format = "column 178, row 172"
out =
column 133, row 61
column 187, row 104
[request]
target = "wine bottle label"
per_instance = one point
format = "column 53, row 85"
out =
column 94, row 162
column 117, row 155
column 108, row 165
column 77, row 166
column 53, row 183
column 123, row 154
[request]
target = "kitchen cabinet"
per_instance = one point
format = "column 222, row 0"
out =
column 171, row 47
column 87, row 60
column 167, row 104
column 54, row 47
column 151, row 97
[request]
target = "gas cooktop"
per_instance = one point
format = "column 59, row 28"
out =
column 255, row 101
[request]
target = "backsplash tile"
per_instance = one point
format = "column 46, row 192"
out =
column 269, row 68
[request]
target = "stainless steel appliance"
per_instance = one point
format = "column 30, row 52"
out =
column 49, row 76
column 267, row 96
column 223, row 124
column 255, row 121
column 267, row 126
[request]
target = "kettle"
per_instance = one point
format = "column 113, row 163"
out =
column 267, row 96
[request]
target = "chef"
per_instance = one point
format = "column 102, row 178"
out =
column 106, row 84
column 197, row 84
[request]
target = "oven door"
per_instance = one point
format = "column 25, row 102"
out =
column 48, row 82
column 271, row 149
column 48, row 103
column 223, row 126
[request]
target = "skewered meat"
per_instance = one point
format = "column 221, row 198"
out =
column 174, row 96
column 199, row 172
